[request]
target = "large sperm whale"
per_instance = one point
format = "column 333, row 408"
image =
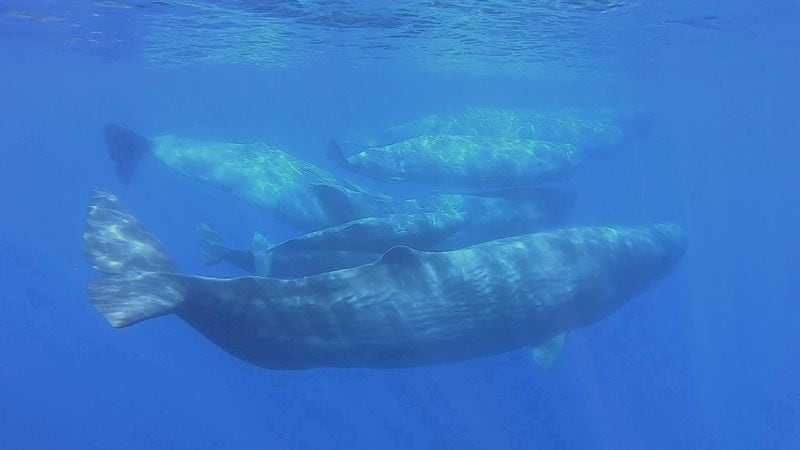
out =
column 409, row 308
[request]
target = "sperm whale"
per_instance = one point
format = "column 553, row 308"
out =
column 409, row 308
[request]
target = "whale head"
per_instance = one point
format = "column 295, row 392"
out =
column 624, row 262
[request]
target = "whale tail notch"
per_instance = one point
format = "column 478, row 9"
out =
column 140, row 280
column 126, row 148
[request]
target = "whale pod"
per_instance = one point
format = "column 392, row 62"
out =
column 409, row 308
column 304, row 195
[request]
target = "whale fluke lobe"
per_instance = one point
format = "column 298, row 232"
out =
column 137, row 287
column 116, row 242
column 214, row 250
column 211, row 245
column 125, row 147
column 335, row 154
column 130, row 298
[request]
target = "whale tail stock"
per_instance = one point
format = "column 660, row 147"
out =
column 140, row 281
column 126, row 148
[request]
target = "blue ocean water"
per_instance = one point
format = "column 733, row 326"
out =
column 704, row 359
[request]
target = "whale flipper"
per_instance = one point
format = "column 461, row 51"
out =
column 546, row 354
column 125, row 147
column 262, row 255
column 138, row 286
column 335, row 201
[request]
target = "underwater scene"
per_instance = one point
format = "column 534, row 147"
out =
column 352, row 224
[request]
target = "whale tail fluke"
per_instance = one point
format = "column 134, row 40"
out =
column 126, row 148
column 139, row 282
column 212, row 247
column 335, row 154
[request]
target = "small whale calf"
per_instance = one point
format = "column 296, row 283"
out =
column 409, row 308
column 445, row 221
column 348, row 245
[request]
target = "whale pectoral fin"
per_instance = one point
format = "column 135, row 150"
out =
column 546, row 353
column 400, row 255
column 336, row 202
column 262, row 255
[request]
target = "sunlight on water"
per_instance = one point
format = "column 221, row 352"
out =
column 477, row 36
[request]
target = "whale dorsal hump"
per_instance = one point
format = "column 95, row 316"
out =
column 546, row 353
column 401, row 256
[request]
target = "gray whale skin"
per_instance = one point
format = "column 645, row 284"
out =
column 410, row 308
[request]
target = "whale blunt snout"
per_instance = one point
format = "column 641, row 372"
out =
column 672, row 239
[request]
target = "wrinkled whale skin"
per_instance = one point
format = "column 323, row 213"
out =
column 410, row 308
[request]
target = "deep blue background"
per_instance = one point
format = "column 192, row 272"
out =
column 706, row 359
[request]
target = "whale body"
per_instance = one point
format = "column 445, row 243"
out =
column 348, row 245
column 483, row 147
column 445, row 221
column 292, row 190
column 464, row 161
column 587, row 129
column 409, row 308
column 308, row 197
